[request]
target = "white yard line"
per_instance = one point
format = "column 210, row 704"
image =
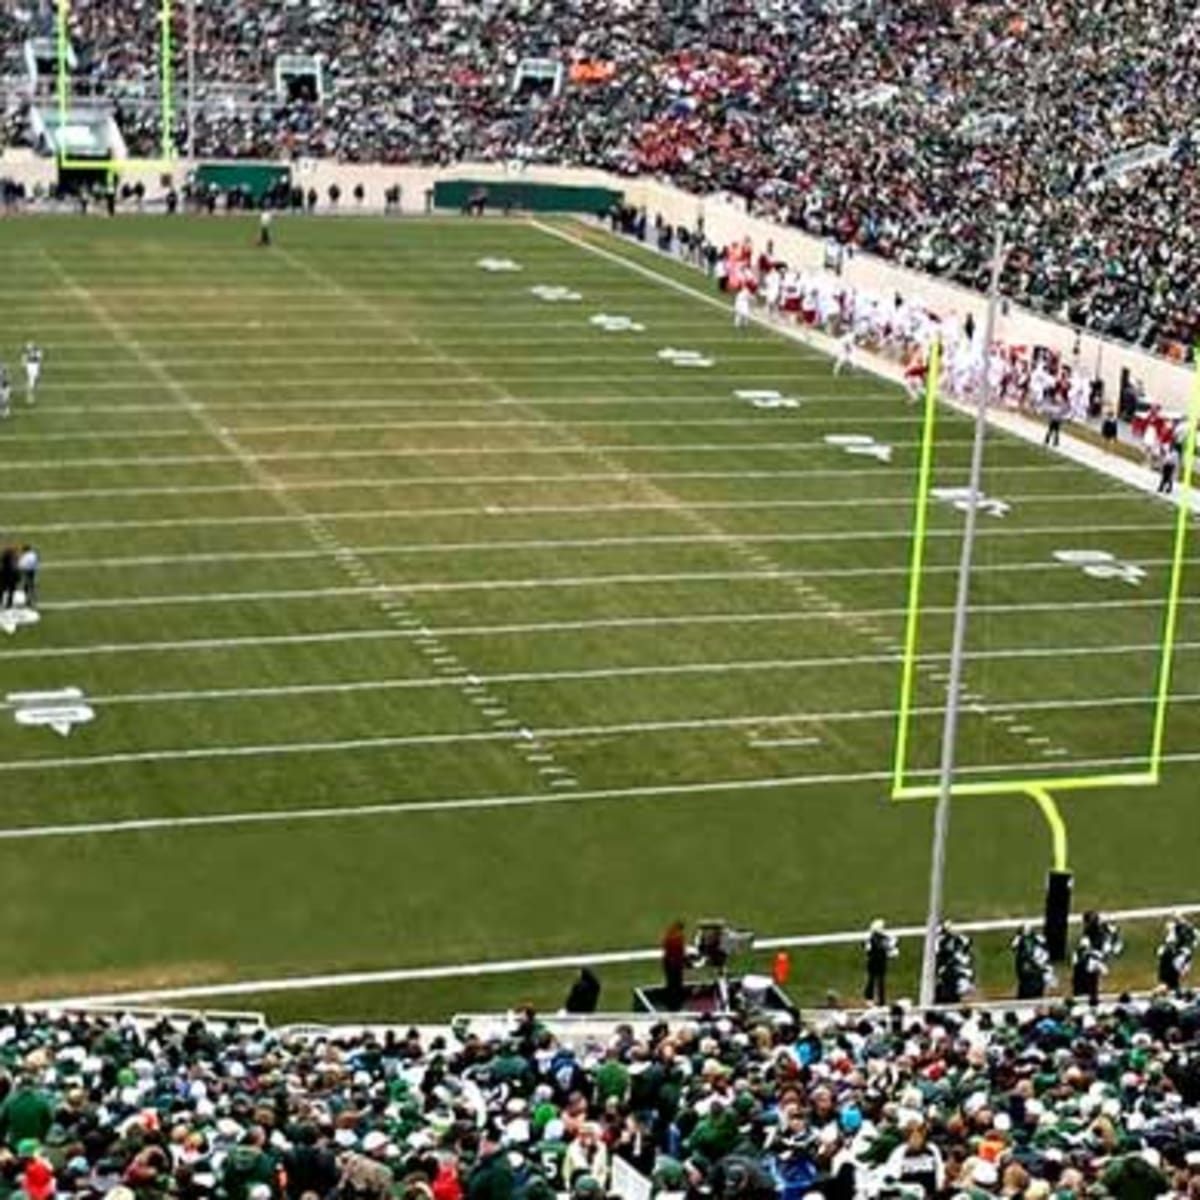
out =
column 339, row 428
column 564, row 477
column 334, row 403
column 125, row 562
column 759, row 575
column 524, row 629
column 497, row 512
column 643, row 670
column 733, row 375
column 536, row 738
column 45, row 465
column 488, row 803
column 564, row 962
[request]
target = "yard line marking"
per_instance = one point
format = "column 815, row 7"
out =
column 425, row 513
column 339, row 428
column 731, row 373
column 537, row 627
column 572, row 478
column 633, row 540
column 763, row 574
column 475, row 687
column 283, row 456
column 564, row 962
column 460, row 804
column 772, row 743
column 333, row 403
column 534, row 739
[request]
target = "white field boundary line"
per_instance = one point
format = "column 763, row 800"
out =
column 598, row 543
column 514, row 629
column 562, row 962
column 1014, row 424
column 655, row 670
column 732, row 449
column 406, row 808
column 550, row 584
column 573, row 478
column 525, row 510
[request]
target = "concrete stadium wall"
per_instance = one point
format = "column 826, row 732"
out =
column 725, row 220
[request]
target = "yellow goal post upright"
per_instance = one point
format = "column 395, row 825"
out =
column 1040, row 789
column 168, row 152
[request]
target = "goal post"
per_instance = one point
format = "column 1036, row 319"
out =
column 64, row 94
column 903, row 786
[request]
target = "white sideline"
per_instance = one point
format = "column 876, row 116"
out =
column 293, row 983
column 595, row 543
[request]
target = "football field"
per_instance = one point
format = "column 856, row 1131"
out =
column 430, row 592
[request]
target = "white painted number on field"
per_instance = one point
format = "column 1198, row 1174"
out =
column 60, row 711
column 555, row 295
column 612, row 324
column 498, row 264
column 767, row 399
column 12, row 619
column 1099, row 564
column 960, row 497
column 685, row 358
column 860, row 444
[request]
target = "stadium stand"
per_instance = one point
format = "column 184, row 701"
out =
column 899, row 129
column 1053, row 1102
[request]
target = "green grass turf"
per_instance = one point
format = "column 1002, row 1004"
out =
column 239, row 455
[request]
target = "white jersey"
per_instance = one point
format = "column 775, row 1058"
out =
column 742, row 308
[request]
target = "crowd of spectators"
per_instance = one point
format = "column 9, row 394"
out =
column 1054, row 1103
column 904, row 128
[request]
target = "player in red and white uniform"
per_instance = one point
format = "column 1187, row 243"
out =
column 916, row 375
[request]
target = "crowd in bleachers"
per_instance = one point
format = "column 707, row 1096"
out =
column 1053, row 1103
column 902, row 128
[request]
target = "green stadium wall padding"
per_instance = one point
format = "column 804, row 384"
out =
column 257, row 178
column 531, row 197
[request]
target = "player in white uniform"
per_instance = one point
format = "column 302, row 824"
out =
column 33, row 370
column 742, row 308
column 845, row 355
column 1080, row 394
column 5, row 393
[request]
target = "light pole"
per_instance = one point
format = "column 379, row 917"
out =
column 941, row 818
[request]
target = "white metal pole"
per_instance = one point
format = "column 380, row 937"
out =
column 191, row 80
column 941, row 819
